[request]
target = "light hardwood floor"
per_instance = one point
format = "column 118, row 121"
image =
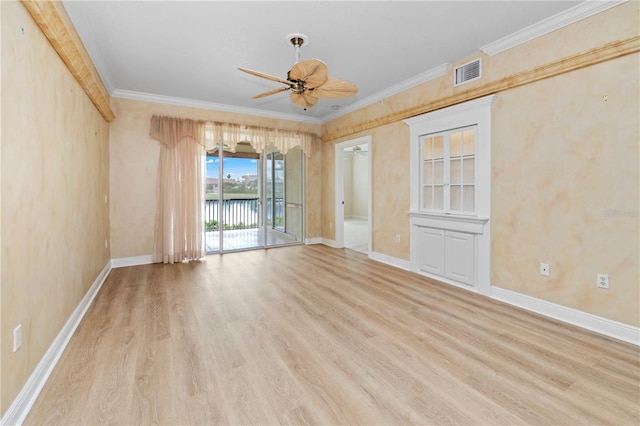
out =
column 314, row 335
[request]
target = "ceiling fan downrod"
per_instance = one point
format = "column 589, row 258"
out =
column 297, row 40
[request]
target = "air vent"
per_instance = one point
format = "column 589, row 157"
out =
column 467, row 72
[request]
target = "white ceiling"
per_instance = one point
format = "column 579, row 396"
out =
column 188, row 52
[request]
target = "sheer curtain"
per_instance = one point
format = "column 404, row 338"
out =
column 183, row 144
column 179, row 220
column 230, row 134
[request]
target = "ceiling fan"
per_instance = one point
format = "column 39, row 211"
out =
column 307, row 80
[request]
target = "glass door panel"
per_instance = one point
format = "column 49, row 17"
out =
column 294, row 194
column 275, row 189
column 269, row 197
column 240, row 206
column 284, row 197
column 253, row 200
column 212, row 203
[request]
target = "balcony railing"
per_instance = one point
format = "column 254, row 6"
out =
column 240, row 213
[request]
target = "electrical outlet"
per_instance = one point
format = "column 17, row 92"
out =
column 17, row 338
column 397, row 238
column 544, row 269
column 106, row 244
column 603, row 281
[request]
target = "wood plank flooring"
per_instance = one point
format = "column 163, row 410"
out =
column 314, row 335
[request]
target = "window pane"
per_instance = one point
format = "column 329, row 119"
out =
column 427, row 197
column 456, row 142
column 469, row 198
column 427, row 172
column 455, row 171
column 438, row 197
column 427, row 148
column 469, row 137
column 438, row 172
column 437, row 147
column 469, row 170
column 456, row 197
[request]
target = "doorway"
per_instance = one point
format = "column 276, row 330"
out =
column 253, row 200
column 353, row 194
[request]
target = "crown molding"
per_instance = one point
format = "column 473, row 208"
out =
column 429, row 75
column 150, row 97
column 101, row 68
column 54, row 22
column 555, row 22
column 605, row 52
column 424, row 77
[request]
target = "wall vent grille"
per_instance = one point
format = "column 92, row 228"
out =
column 467, row 72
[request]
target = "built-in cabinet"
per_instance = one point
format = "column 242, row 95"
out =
column 460, row 257
column 430, row 250
column 450, row 194
column 448, row 248
column 448, row 254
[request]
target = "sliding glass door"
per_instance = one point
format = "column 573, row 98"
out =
column 253, row 200
column 293, row 192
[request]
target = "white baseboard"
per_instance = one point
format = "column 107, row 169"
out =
column 314, row 240
column 20, row 407
column 330, row 243
column 617, row 330
column 390, row 260
column 131, row 261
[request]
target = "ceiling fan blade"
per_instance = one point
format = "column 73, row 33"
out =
column 263, row 75
column 313, row 72
column 302, row 100
column 270, row 92
column 334, row 88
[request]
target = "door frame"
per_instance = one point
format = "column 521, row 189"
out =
column 262, row 204
column 339, row 189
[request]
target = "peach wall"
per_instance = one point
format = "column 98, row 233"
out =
column 565, row 176
column 562, row 158
column 313, row 194
column 328, row 191
column 618, row 23
column 390, row 199
column 134, row 170
column 390, row 188
column 54, row 176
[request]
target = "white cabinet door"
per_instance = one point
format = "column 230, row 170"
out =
column 459, row 252
column 431, row 250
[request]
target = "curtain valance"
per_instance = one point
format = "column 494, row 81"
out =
column 169, row 130
column 259, row 137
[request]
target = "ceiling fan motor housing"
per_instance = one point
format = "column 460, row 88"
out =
column 297, row 86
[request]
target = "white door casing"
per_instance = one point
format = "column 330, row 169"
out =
column 339, row 188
